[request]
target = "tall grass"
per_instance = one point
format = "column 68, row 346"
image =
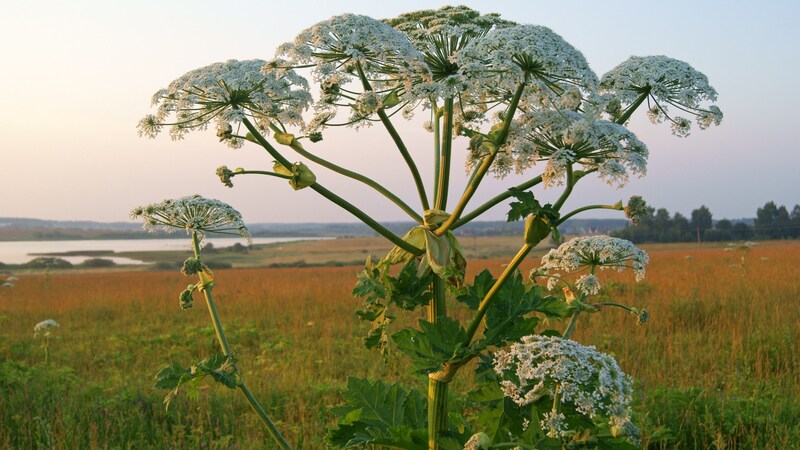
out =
column 717, row 365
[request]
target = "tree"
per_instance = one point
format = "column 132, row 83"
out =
column 701, row 220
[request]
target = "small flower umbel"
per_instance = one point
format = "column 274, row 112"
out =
column 581, row 381
column 226, row 94
column 195, row 214
column 199, row 216
column 591, row 254
column 45, row 329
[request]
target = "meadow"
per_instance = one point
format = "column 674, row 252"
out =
column 717, row 366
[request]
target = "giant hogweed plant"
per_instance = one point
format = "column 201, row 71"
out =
column 525, row 101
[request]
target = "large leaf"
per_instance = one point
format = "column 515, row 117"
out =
column 380, row 414
column 432, row 345
column 472, row 295
column 505, row 319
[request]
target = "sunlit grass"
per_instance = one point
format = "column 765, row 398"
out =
column 717, row 365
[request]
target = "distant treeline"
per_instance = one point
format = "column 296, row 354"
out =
column 771, row 222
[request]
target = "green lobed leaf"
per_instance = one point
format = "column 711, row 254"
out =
column 525, row 205
column 432, row 345
column 471, row 295
column 381, row 414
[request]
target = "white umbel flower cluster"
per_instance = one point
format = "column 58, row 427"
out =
column 667, row 83
column 344, row 48
column 506, row 55
column 567, row 137
column 45, row 328
column 593, row 253
column 192, row 213
column 582, row 377
column 224, row 94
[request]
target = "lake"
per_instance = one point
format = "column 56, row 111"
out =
column 20, row 252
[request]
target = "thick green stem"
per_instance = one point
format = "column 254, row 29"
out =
column 347, row 206
column 437, row 411
column 437, row 388
column 567, row 191
column 628, row 112
column 443, row 181
column 205, row 287
column 437, row 149
column 481, row 171
column 487, row 300
column 571, row 327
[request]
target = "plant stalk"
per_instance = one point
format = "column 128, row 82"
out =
column 481, row 171
column 437, row 389
column 443, row 181
column 344, row 204
column 226, row 350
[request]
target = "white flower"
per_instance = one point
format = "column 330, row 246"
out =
column 554, row 423
column 441, row 35
column 193, row 213
column 345, row 48
column 665, row 83
column 611, row 149
column 589, row 284
column 596, row 252
column 226, row 93
column 45, row 328
column 590, row 380
column 505, row 57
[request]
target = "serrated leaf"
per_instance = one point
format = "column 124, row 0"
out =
column 377, row 413
column 408, row 290
column 473, row 294
column 552, row 307
column 432, row 345
column 525, row 205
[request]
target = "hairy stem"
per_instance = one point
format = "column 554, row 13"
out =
column 226, row 350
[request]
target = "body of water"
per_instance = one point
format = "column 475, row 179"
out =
column 20, row 252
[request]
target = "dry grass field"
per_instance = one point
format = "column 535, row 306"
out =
column 717, row 366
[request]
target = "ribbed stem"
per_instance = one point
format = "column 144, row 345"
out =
column 483, row 168
column 437, row 411
column 437, row 389
column 443, row 180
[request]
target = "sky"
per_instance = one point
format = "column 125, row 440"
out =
column 77, row 77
